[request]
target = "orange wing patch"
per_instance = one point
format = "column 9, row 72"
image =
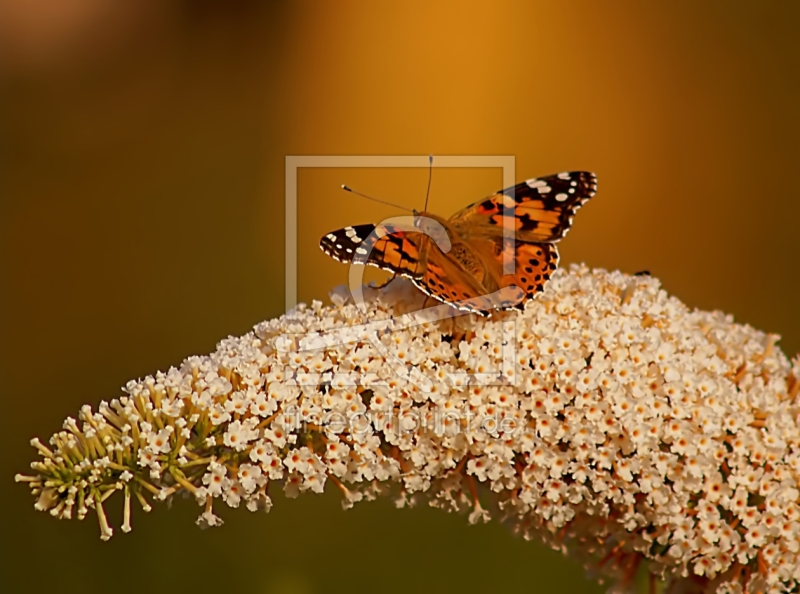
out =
column 398, row 254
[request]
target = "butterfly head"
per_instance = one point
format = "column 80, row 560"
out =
column 434, row 227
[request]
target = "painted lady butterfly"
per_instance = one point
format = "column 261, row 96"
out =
column 497, row 253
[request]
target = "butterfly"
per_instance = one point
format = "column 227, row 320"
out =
column 497, row 253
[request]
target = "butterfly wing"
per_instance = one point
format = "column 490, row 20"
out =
column 538, row 210
column 386, row 246
column 534, row 263
column 472, row 275
column 453, row 278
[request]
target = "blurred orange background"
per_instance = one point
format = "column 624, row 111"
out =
column 143, row 158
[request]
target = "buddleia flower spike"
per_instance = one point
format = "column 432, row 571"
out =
column 627, row 430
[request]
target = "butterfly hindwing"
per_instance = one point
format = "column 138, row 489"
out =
column 536, row 210
column 447, row 280
column 517, row 266
column 534, row 263
column 384, row 246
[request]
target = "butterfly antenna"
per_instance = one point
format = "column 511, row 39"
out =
column 430, row 176
column 349, row 189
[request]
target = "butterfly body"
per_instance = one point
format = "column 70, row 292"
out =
column 497, row 253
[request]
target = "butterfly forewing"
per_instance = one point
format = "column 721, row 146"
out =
column 384, row 246
column 537, row 210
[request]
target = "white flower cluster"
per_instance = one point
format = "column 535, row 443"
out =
column 607, row 419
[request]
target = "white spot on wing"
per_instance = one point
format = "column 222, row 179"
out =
column 535, row 183
column 508, row 201
column 361, row 251
column 564, row 175
column 561, row 197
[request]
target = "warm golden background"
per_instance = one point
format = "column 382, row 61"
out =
column 143, row 148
